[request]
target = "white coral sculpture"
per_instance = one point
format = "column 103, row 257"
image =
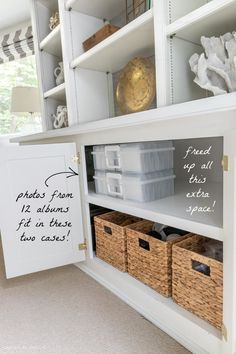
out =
column 215, row 69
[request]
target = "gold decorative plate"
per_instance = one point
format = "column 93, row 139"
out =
column 136, row 88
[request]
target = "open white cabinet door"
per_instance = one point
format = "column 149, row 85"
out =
column 40, row 219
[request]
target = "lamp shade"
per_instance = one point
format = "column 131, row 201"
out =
column 25, row 99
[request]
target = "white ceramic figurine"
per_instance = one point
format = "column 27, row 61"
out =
column 215, row 69
column 61, row 117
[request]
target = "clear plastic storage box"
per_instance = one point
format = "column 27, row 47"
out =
column 136, row 187
column 100, row 182
column 142, row 158
column 99, row 160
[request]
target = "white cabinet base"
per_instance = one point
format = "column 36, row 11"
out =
column 189, row 330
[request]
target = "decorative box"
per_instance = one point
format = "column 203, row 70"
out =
column 99, row 36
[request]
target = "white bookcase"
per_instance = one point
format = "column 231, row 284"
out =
column 170, row 33
column 183, row 35
column 49, row 52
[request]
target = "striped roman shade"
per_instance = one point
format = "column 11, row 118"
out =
column 16, row 45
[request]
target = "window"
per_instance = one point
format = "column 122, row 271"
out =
column 20, row 72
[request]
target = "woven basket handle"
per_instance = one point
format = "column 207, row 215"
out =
column 107, row 230
column 144, row 244
column 201, row 268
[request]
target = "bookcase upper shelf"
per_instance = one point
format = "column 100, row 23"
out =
column 104, row 9
column 136, row 38
column 58, row 93
column 52, row 43
column 212, row 19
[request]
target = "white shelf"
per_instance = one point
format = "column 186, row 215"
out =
column 191, row 331
column 52, row 43
column 182, row 113
column 215, row 18
column 172, row 210
column 58, row 93
column 107, row 9
column 113, row 53
column 51, row 4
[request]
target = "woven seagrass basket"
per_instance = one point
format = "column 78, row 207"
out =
column 199, row 293
column 149, row 259
column 111, row 245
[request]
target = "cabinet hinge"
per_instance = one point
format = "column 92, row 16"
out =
column 76, row 158
column 225, row 163
column 82, row 246
column 224, row 332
